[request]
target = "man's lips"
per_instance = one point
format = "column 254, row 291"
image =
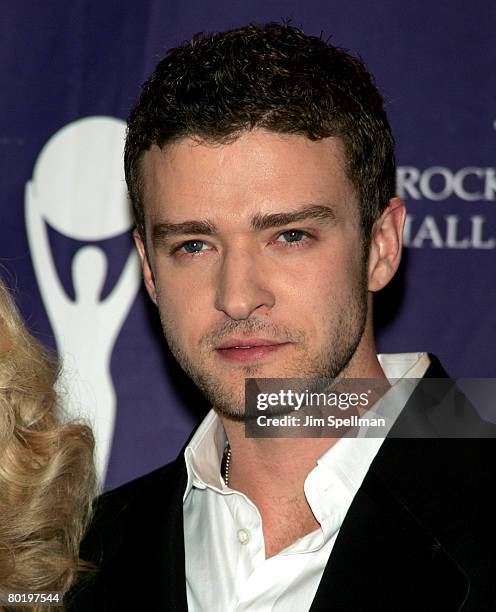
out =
column 248, row 349
column 248, row 342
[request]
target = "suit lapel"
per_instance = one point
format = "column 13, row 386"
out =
column 149, row 551
column 395, row 549
column 384, row 559
column 171, row 577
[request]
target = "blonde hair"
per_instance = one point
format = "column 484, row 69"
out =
column 47, row 479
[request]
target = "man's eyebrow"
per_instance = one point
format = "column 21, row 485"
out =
column 315, row 211
column 162, row 231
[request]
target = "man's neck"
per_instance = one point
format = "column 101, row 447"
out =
column 271, row 472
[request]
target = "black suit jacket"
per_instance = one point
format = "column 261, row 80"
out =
column 420, row 534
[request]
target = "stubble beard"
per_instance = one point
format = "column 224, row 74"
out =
column 343, row 339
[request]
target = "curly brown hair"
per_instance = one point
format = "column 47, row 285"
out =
column 273, row 77
column 47, row 478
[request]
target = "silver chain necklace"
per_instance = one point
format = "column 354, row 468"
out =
column 227, row 465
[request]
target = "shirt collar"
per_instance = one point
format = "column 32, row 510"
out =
column 203, row 455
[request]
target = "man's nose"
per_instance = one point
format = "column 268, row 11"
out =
column 242, row 286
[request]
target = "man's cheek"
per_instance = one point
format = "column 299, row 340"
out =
column 186, row 325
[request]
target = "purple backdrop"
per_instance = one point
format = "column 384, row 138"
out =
column 435, row 63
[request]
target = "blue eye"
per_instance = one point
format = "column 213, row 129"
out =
column 292, row 236
column 193, row 246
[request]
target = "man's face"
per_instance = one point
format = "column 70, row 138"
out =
column 255, row 260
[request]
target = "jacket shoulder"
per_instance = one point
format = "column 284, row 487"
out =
column 126, row 509
column 126, row 542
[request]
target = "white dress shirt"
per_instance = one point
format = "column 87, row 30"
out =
column 226, row 568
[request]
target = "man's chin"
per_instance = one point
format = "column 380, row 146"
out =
column 246, row 413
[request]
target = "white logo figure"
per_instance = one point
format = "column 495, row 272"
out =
column 78, row 189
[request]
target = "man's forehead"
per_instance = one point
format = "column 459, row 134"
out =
column 268, row 154
column 259, row 168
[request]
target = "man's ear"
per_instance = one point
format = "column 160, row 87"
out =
column 386, row 244
column 145, row 265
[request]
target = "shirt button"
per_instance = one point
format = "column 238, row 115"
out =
column 243, row 536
